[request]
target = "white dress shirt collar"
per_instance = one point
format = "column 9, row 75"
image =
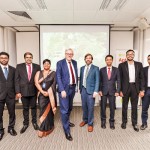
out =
column 2, row 66
column 88, row 65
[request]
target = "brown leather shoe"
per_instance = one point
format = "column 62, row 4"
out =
column 82, row 124
column 90, row 128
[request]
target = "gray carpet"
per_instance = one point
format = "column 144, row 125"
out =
column 99, row 139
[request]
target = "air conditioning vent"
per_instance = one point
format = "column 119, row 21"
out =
column 20, row 13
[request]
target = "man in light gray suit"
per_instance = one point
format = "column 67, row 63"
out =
column 109, row 89
column 89, row 87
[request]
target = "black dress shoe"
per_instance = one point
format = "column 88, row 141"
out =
column 12, row 132
column 68, row 136
column 103, row 125
column 123, row 125
column 1, row 135
column 143, row 126
column 24, row 128
column 71, row 124
column 112, row 126
column 35, row 126
column 135, row 127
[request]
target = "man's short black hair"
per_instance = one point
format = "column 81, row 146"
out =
column 109, row 56
column 28, row 53
column 148, row 56
column 130, row 50
column 4, row 53
column 46, row 60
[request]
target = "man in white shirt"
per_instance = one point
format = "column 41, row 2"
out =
column 146, row 98
column 132, row 87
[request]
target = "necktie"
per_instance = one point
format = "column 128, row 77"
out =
column 86, row 74
column 109, row 73
column 5, row 72
column 29, row 72
column 72, row 74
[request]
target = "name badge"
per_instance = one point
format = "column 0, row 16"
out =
column 44, row 85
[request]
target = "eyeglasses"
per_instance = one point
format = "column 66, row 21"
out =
column 3, row 57
column 69, row 54
column 130, row 54
column 28, row 57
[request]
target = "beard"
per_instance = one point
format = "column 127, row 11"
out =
column 130, row 59
column 4, row 62
column 88, row 62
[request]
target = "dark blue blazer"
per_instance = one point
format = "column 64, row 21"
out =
column 110, row 86
column 62, row 74
column 92, row 81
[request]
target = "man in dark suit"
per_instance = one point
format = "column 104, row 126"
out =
column 146, row 98
column 109, row 89
column 67, row 78
column 26, row 90
column 7, row 93
column 132, row 87
column 89, row 87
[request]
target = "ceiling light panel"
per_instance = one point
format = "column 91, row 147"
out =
column 33, row 5
column 110, row 5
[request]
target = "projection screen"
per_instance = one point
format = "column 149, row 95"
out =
column 83, row 39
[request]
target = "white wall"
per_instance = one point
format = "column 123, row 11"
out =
column 120, row 40
column 27, row 42
column 136, row 40
column 146, row 47
column 142, row 44
column 8, row 44
column 1, row 39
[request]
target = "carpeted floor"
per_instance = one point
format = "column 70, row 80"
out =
column 99, row 139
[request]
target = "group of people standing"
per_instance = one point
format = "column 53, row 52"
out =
column 29, row 83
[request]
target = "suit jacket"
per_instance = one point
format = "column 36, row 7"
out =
column 145, row 71
column 7, row 87
column 62, row 74
column 22, row 84
column 111, row 86
column 92, row 80
column 124, row 76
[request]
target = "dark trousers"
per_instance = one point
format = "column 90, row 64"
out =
column 133, row 96
column 145, row 106
column 87, row 106
column 10, row 103
column 28, row 102
column 66, row 105
column 103, row 104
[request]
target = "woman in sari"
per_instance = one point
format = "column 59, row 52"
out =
column 45, row 82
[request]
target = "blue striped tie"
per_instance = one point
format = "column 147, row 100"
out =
column 5, row 72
